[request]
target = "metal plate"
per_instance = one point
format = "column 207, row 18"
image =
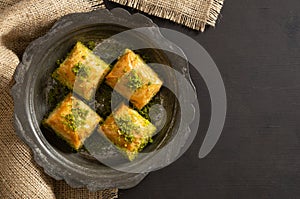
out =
column 30, row 91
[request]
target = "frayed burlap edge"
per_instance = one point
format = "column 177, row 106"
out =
column 197, row 23
column 214, row 12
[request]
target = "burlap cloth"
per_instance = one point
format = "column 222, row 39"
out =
column 21, row 21
column 195, row 14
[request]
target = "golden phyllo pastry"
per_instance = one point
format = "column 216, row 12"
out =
column 73, row 121
column 134, row 79
column 82, row 71
column 128, row 130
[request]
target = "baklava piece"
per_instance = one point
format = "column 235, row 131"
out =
column 82, row 71
column 128, row 130
column 73, row 121
column 134, row 79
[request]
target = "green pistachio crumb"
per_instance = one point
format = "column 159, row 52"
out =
column 59, row 61
column 91, row 45
column 126, row 127
column 76, row 118
column 135, row 81
column 81, row 70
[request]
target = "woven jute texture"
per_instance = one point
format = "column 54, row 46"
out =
column 21, row 21
column 195, row 14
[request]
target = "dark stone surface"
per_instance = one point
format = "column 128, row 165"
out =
column 256, row 47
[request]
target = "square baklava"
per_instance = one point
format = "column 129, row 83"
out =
column 73, row 121
column 134, row 79
column 82, row 71
column 128, row 130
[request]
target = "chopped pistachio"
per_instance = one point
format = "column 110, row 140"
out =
column 76, row 118
column 126, row 127
column 91, row 45
column 81, row 70
column 135, row 81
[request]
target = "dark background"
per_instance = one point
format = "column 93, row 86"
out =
column 256, row 46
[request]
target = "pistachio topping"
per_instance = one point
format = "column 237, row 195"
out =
column 81, row 70
column 76, row 118
column 134, row 81
column 126, row 127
